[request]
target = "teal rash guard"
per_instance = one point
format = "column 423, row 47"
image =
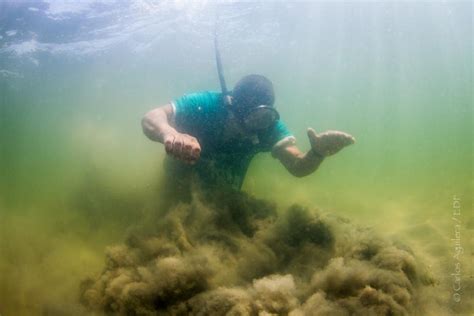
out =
column 226, row 151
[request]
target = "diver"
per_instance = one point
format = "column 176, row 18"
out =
column 211, row 137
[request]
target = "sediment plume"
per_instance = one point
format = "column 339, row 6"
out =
column 237, row 255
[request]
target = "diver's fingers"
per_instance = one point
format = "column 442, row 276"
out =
column 195, row 148
column 349, row 139
column 340, row 138
column 196, row 153
column 311, row 132
column 191, row 149
column 345, row 138
column 187, row 149
column 339, row 141
column 194, row 157
column 178, row 147
column 312, row 135
column 168, row 142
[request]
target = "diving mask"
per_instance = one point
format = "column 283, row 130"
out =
column 260, row 117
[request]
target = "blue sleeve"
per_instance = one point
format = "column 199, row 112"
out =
column 188, row 106
column 195, row 109
column 278, row 132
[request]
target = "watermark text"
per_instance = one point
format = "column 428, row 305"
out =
column 457, row 250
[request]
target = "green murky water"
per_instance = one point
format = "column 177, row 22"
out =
column 76, row 172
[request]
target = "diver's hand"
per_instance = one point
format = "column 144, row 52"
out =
column 182, row 146
column 330, row 142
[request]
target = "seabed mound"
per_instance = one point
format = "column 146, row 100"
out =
column 236, row 255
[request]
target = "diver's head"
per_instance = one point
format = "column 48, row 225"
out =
column 253, row 90
column 252, row 102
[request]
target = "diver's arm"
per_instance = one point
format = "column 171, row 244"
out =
column 322, row 145
column 296, row 162
column 156, row 126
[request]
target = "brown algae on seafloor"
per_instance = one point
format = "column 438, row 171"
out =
column 217, row 258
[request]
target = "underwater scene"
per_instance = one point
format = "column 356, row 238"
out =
column 182, row 157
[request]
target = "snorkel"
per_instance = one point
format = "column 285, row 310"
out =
column 254, row 118
column 225, row 93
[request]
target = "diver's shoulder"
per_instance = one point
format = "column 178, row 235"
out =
column 204, row 94
column 210, row 97
column 211, row 93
